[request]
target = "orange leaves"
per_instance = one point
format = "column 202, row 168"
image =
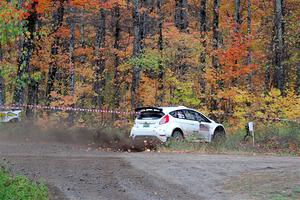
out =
column 80, row 51
column 63, row 32
column 96, row 4
column 233, row 58
column 85, row 4
column 42, row 6
column 147, row 91
column 9, row 12
column 61, row 100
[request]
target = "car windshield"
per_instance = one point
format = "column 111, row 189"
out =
column 150, row 115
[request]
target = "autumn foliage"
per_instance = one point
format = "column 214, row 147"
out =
column 83, row 53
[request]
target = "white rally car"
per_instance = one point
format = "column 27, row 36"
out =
column 174, row 122
column 10, row 115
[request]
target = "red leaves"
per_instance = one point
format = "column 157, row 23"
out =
column 233, row 59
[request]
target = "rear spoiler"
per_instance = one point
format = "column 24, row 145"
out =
column 148, row 109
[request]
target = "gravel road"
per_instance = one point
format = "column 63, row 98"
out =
column 77, row 172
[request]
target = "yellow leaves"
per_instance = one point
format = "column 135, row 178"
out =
column 147, row 92
column 270, row 105
column 241, row 97
column 85, row 72
column 274, row 93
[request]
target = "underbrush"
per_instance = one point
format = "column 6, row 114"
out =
column 279, row 138
column 20, row 188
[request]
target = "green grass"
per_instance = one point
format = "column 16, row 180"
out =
column 275, row 138
column 20, row 188
column 291, row 195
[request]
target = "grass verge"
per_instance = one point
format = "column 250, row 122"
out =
column 279, row 139
column 20, row 188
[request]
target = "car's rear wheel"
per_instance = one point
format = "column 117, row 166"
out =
column 177, row 136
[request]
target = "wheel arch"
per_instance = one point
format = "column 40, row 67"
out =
column 177, row 129
column 219, row 128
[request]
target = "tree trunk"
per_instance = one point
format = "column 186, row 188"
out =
column 181, row 15
column 100, row 61
column 144, row 21
column 117, row 30
column 136, row 53
column 202, row 16
column 57, row 19
column 71, row 24
column 1, row 53
column 24, row 59
column 160, row 77
column 82, row 35
column 2, row 86
column 32, row 95
column 215, row 41
column 202, row 20
column 160, row 25
column 278, row 68
column 279, row 72
column 2, row 90
column 236, row 15
column 298, row 80
column 215, row 45
column 249, row 59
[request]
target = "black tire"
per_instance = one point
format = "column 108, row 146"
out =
column 177, row 136
column 14, row 120
column 219, row 137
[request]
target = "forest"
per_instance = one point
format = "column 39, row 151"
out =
column 229, row 59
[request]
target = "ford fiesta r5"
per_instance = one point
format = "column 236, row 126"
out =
column 174, row 122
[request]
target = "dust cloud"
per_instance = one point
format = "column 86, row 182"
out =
column 96, row 137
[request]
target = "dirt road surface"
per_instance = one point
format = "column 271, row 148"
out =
column 77, row 172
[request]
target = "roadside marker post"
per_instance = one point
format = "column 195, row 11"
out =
column 251, row 130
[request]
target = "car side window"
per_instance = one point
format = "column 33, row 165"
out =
column 201, row 118
column 178, row 114
column 189, row 115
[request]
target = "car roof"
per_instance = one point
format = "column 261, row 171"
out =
column 170, row 109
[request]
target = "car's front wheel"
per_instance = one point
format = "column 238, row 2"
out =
column 219, row 136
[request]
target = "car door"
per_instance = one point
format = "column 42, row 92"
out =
column 180, row 120
column 204, row 126
column 191, row 122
